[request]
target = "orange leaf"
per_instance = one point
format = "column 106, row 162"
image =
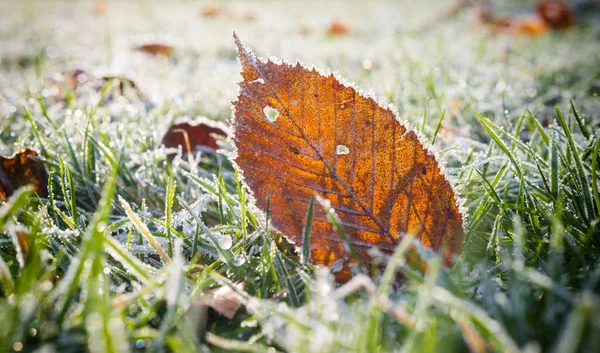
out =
column 300, row 133
column 531, row 26
column 192, row 135
column 21, row 170
column 156, row 49
column 338, row 28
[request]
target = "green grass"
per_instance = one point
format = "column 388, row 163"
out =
column 117, row 256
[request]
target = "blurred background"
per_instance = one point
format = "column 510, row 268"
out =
column 497, row 57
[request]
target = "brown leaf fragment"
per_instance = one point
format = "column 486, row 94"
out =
column 531, row 26
column 75, row 78
column 300, row 133
column 249, row 16
column 122, row 85
column 338, row 28
column 486, row 16
column 100, row 7
column 193, row 136
column 304, row 30
column 528, row 25
column 211, row 11
column 223, row 300
column 156, row 49
column 21, row 170
column 557, row 14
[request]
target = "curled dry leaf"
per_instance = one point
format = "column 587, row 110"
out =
column 193, row 135
column 156, row 49
column 300, row 133
column 21, row 170
column 557, row 14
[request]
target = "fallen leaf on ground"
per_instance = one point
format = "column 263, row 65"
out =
column 531, row 26
column 299, row 133
column 156, row 49
column 223, row 300
column 210, row 11
column 527, row 25
column 193, row 135
column 338, row 28
column 304, row 30
column 454, row 107
column 21, row 170
column 100, row 7
column 486, row 16
column 249, row 17
column 557, row 14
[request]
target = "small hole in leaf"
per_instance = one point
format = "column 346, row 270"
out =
column 271, row 114
column 337, row 266
column 341, row 149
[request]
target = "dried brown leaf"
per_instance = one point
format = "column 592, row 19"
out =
column 193, row 135
column 156, row 49
column 211, row 11
column 557, row 14
column 338, row 28
column 21, row 170
column 300, row 133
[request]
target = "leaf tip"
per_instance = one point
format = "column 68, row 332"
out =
column 237, row 42
column 247, row 59
column 244, row 53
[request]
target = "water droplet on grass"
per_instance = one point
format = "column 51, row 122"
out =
column 225, row 242
column 239, row 261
